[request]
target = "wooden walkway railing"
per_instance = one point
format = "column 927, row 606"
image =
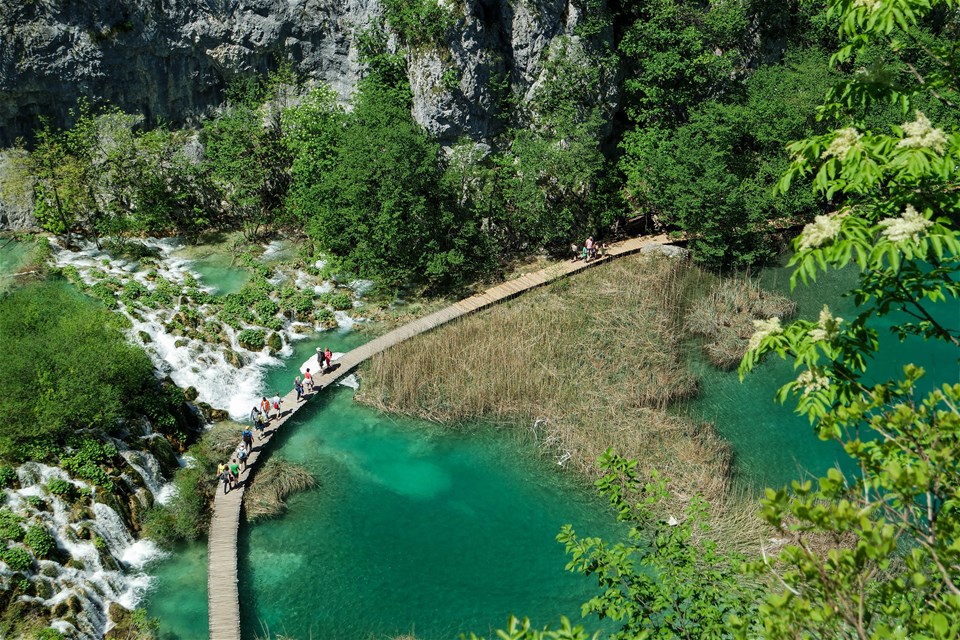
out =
column 222, row 592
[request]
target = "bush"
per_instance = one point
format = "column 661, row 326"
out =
column 7, row 476
column 252, row 339
column 266, row 309
column 50, row 634
column 48, row 388
column 40, row 541
column 17, row 559
column 341, row 301
column 62, row 488
column 85, row 462
column 10, row 528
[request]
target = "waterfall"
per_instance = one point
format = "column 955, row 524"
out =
column 78, row 595
column 209, row 368
column 144, row 463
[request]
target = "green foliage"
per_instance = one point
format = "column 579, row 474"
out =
column 662, row 583
column 49, row 634
column 246, row 156
column 713, row 176
column 48, row 389
column 10, row 525
column 17, row 558
column 892, row 570
column 266, row 309
column 87, row 460
column 8, row 476
column 252, row 339
column 517, row 630
column 61, row 488
column 419, row 22
column 379, row 209
column 341, row 301
column 40, row 541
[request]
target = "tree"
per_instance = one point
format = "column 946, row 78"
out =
column 893, row 528
column 379, row 207
column 66, row 370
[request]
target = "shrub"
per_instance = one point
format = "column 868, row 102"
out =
column 274, row 324
column 252, row 339
column 341, row 302
column 85, row 462
column 326, row 318
column 7, row 476
column 10, row 528
column 62, row 488
column 266, row 309
column 50, row 336
column 17, row 558
column 40, row 541
column 50, row 634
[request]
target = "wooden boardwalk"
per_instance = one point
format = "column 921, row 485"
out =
column 222, row 593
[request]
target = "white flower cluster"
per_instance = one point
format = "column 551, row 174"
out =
column 869, row 5
column 921, row 135
column 812, row 381
column 845, row 140
column 827, row 328
column 763, row 328
column 823, row 229
column 909, row 226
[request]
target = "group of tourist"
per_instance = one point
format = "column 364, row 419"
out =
column 260, row 416
column 591, row 250
column 229, row 473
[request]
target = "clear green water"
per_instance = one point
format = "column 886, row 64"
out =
column 216, row 266
column 412, row 528
column 13, row 255
column 772, row 444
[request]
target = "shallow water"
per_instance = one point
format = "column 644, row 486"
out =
column 13, row 255
column 217, row 267
column 410, row 529
column 772, row 444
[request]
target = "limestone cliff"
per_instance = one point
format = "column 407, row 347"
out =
column 171, row 59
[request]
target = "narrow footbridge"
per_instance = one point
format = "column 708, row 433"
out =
column 222, row 592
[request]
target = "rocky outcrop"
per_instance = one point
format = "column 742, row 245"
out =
column 16, row 192
column 171, row 59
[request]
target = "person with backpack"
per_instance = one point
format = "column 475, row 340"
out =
column 234, row 472
column 242, row 455
column 223, row 474
column 276, row 403
column 247, row 436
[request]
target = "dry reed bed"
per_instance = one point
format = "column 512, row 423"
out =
column 591, row 361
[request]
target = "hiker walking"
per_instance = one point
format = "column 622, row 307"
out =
column 590, row 249
column 328, row 356
column 242, row 454
column 247, row 436
column 298, row 388
column 223, row 474
column 265, row 409
column 276, row 403
column 234, row 472
column 308, row 379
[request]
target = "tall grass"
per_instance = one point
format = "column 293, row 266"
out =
column 587, row 363
column 273, row 482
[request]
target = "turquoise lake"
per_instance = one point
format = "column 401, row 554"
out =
column 412, row 528
column 415, row 529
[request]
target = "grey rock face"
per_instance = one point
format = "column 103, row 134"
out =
column 16, row 193
column 171, row 59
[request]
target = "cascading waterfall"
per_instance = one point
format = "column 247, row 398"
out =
column 102, row 562
column 192, row 362
column 105, row 560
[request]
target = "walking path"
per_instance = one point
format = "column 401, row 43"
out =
column 223, row 596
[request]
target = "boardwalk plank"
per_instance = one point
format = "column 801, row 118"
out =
column 222, row 593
